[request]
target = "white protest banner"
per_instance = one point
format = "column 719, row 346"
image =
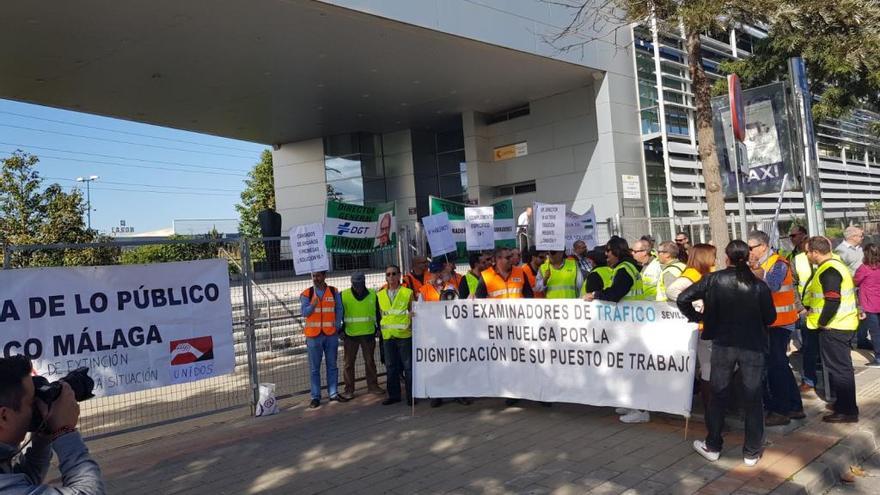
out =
column 549, row 227
column 580, row 228
column 479, row 228
column 439, row 233
column 638, row 355
column 308, row 248
column 135, row 326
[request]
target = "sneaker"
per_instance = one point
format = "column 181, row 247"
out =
column 703, row 450
column 338, row 398
column 776, row 419
column 314, row 404
column 436, row 402
column 622, row 411
column 751, row 461
column 636, row 416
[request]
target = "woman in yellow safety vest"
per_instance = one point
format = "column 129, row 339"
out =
column 626, row 283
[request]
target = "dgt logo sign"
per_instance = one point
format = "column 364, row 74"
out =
column 347, row 228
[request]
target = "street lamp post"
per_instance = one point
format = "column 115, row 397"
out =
column 88, row 180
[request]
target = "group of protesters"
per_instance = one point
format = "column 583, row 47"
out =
column 748, row 312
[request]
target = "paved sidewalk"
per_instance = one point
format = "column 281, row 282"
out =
column 363, row 447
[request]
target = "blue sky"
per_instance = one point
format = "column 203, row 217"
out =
column 149, row 175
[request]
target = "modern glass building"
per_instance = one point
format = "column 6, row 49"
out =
column 848, row 152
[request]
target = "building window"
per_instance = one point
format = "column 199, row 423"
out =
column 354, row 168
column 514, row 189
column 656, row 179
column 509, row 114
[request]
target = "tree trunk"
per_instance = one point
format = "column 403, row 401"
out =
column 700, row 86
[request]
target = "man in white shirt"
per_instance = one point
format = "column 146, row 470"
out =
column 522, row 227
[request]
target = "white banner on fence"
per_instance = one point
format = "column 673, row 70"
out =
column 479, row 228
column 309, row 249
column 135, row 327
column 439, row 233
column 549, row 227
column 639, row 355
column 580, row 228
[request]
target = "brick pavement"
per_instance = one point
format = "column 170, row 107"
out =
column 363, row 447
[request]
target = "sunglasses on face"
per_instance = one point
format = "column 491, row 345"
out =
column 754, row 247
column 392, row 274
column 639, row 250
column 679, row 241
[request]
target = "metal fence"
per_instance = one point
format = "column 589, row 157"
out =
column 267, row 325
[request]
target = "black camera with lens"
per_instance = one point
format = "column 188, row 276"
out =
column 448, row 295
column 48, row 392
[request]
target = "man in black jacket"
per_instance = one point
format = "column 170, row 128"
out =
column 738, row 309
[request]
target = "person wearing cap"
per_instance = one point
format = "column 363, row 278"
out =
column 360, row 326
column 440, row 288
column 532, row 267
column 559, row 278
column 468, row 285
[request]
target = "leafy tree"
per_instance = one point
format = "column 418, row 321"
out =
column 839, row 41
column 696, row 17
column 33, row 214
column 258, row 195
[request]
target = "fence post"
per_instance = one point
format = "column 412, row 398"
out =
column 249, row 330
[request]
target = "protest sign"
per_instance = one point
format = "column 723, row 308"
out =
column 580, row 228
column 308, row 248
column 357, row 229
column 439, row 234
column 135, row 327
column 479, row 228
column 549, row 227
column 503, row 222
column 638, row 355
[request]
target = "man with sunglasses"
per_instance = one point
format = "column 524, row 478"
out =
column 395, row 307
column 782, row 398
column 684, row 245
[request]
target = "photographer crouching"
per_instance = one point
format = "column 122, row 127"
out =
column 50, row 411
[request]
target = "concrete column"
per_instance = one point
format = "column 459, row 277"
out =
column 300, row 184
column 478, row 154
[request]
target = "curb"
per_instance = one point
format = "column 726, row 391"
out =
column 824, row 472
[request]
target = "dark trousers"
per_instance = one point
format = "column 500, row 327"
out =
column 751, row 369
column 862, row 332
column 872, row 322
column 781, row 395
column 835, row 348
column 350, row 346
column 398, row 363
column 809, row 353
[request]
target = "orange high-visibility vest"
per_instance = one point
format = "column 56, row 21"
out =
column 411, row 282
column 784, row 298
column 498, row 288
column 532, row 277
column 323, row 318
column 429, row 293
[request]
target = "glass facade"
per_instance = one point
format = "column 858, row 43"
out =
column 439, row 167
column 848, row 151
column 354, row 168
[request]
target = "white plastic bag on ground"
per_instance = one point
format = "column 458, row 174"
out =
column 267, row 405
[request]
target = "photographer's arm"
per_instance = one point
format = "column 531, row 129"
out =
column 34, row 462
column 80, row 474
